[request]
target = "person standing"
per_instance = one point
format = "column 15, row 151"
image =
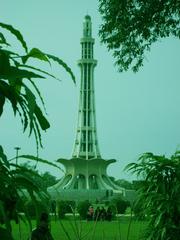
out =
column 109, row 214
column 42, row 231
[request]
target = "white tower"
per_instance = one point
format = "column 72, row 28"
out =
column 86, row 176
column 86, row 143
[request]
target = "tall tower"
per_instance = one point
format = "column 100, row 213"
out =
column 86, row 143
column 85, row 176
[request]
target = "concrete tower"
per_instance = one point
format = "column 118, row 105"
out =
column 86, row 176
column 86, row 143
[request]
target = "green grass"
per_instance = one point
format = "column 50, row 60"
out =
column 115, row 230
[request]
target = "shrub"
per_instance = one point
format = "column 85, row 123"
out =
column 65, row 207
column 159, row 194
column 120, row 205
column 82, row 208
column 36, row 208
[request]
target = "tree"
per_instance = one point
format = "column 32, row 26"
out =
column 17, row 83
column 48, row 179
column 45, row 179
column 130, row 28
column 159, row 194
column 124, row 183
column 120, row 205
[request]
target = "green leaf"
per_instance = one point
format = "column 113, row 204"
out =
column 163, row 233
column 41, row 119
column 33, row 158
column 16, row 33
column 4, row 63
column 19, row 73
column 31, row 99
column 35, row 53
column 39, row 70
column 39, row 93
column 8, row 92
column 3, row 40
column 5, row 217
column 3, row 157
column 63, row 64
column 2, row 101
column 37, row 131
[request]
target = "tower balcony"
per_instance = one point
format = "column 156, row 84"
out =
column 87, row 61
column 87, row 40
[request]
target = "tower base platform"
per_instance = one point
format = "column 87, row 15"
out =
column 85, row 180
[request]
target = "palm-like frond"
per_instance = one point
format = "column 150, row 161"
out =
column 159, row 193
column 13, row 71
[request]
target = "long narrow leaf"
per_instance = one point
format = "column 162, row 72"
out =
column 3, row 40
column 39, row 70
column 63, row 64
column 33, row 158
column 35, row 53
column 41, row 119
column 16, row 33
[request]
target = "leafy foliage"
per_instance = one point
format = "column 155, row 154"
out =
column 45, row 179
column 17, row 184
column 82, row 208
column 124, row 183
column 17, row 83
column 120, row 205
column 65, row 207
column 159, row 194
column 130, row 27
column 31, row 207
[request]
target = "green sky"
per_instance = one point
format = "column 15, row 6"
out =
column 136, row 113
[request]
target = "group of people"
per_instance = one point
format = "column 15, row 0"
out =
column 99, row 214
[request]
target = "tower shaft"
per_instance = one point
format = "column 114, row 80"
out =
column 86, row 143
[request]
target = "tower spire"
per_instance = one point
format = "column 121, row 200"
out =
column 86, row 143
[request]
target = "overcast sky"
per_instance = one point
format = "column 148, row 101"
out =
column 135, row 113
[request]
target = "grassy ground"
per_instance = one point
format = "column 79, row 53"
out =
column 115, row 230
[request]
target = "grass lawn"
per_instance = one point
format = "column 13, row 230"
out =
column 115, row 230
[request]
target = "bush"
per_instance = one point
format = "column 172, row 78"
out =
column 82, row 209
column 32, row 208
column 120, row 204
column 159, row 194
column 65, row 207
